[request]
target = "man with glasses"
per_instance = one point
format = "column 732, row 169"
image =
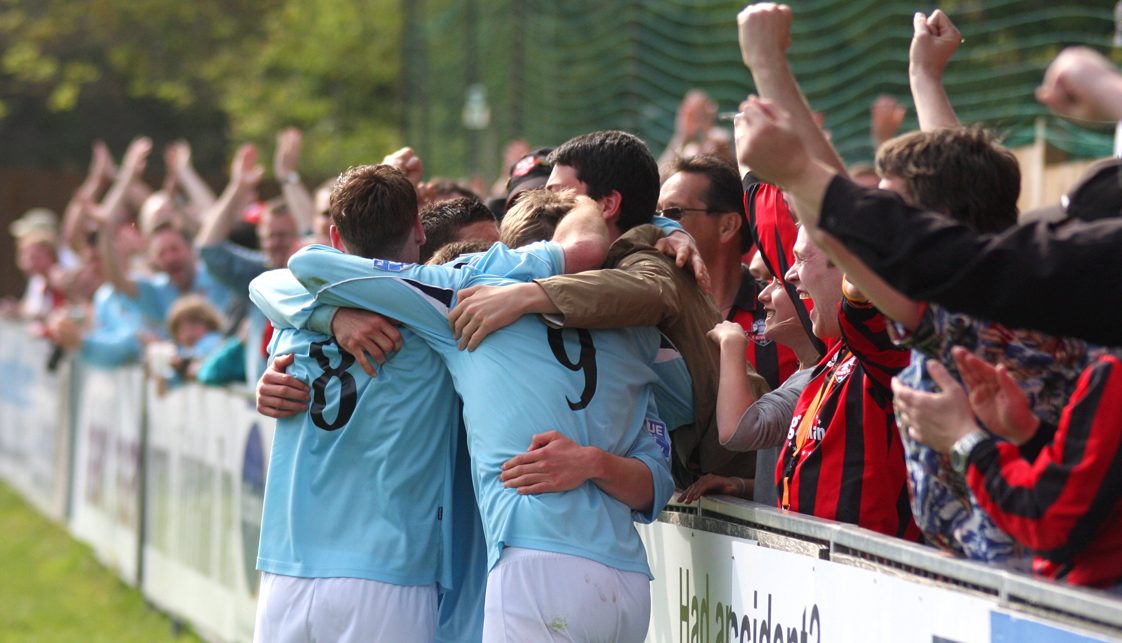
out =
column 705, row 196
column 638, row 287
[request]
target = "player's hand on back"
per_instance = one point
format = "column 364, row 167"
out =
column 280, row 395
column 553, row 463
column 369, row 337
column 481, row 310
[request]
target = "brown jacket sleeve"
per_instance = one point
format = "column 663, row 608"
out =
column 644, row 292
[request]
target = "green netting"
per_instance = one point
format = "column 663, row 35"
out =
column 555, row 69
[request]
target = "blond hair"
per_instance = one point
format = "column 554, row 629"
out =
column 535, row 216
column 196, row 308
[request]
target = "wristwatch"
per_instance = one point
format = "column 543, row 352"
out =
column 960, row 452
column 292, row 178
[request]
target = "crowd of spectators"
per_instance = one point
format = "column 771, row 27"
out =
column 893, row 352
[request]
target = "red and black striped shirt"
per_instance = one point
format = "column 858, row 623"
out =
column 848, row 462
column 1066, row 505
column 774, row 362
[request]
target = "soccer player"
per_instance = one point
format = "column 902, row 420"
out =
column 592, row 388
column 358, row 501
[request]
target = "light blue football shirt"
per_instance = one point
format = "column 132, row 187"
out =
column 360, row 485
column 592, row 386
column 156, row 294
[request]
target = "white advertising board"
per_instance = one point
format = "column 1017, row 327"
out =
column 105, row 495
column 206, row 457
column 34, row 435
column 711, row 588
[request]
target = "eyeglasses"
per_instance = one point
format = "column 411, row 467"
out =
column 676, row 213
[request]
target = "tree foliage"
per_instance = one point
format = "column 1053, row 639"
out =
column 216, row 72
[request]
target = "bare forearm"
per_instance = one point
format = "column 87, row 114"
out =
column 734, row 392
column 74, row 219
column 625, row 479
column 198, row 192
column 808, row 188
column 220, row 217
column 775, row 82
column 137, row 193
column 933, row 107
column 299, row 204
column 533, row 299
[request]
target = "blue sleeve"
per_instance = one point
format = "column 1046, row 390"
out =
column 418, row 296
column 668, row 226
column 111, row 347
column 226, row 364
column 673, row 390
column 286, row 303
column 652, row 448
column 151, row 300
column 115, row 337
column 232, row 265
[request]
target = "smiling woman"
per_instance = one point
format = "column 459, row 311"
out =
column 56, row 591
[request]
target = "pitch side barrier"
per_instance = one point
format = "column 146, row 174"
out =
column 167, row 491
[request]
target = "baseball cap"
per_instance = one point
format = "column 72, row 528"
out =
column 34, row 220
column 529, row 173
column 35, row 225
column 1096, row 195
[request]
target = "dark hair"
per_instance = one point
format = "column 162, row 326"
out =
column 374, row 208
column 443, row 219
column 962, row 171
column 725, row 193
column 449, row 189
column 614, row 160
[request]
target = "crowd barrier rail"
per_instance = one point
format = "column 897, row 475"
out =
column 167, row 489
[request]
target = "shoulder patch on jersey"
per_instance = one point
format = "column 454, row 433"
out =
column 658, row 430
column 390, row 266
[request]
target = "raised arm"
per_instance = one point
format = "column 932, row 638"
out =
column 764, row 32
column 1083, row 85
column 885, row 117
column 934, row 42
column 199, row 195
column 734, row 391
column 75, row 217
column 245, row 174
column 113, row 215
column 695, row 116
column 286, row 166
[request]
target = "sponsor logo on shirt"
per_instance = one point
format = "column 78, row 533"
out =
column 794, row 426
column 661, row 436
column 757, row 333
column 845, row 369
column 817, row 432
column 390, row 266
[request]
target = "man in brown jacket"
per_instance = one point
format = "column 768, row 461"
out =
column 639, row 286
